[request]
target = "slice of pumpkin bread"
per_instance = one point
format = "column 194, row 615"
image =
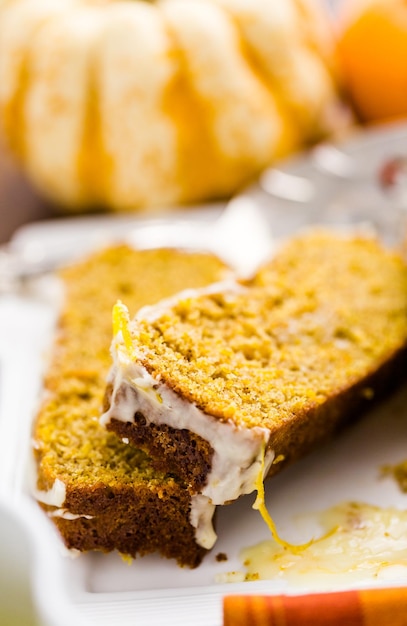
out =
column 101, row 493
column 220, row 385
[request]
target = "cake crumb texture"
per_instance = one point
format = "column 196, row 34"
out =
column 122, row 502
column 325, row 314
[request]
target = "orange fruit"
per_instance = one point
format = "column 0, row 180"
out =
column 372, row 51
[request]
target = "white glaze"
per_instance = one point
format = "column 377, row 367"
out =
column 54, row 496
column 354, row 540
column 65, row 514
column 237, row 451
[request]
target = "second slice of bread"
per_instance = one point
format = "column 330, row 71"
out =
column 101, row 493
column 222, row 385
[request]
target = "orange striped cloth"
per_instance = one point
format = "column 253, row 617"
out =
column 368, row 607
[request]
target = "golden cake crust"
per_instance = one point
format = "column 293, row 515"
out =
column 113, row 498
column 315, row 338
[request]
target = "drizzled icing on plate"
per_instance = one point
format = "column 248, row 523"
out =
column 357, row 541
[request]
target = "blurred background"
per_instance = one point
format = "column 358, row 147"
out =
column 91, row 123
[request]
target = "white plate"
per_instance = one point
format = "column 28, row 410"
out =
column 102, row 589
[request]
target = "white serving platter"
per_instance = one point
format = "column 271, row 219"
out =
column 92, row 589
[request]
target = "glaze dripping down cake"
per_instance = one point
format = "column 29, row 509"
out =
column 101, row 493
column 221, row 385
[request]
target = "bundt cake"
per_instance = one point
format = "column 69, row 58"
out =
column 220, row 384
column 101, row 493
column 127, row 104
